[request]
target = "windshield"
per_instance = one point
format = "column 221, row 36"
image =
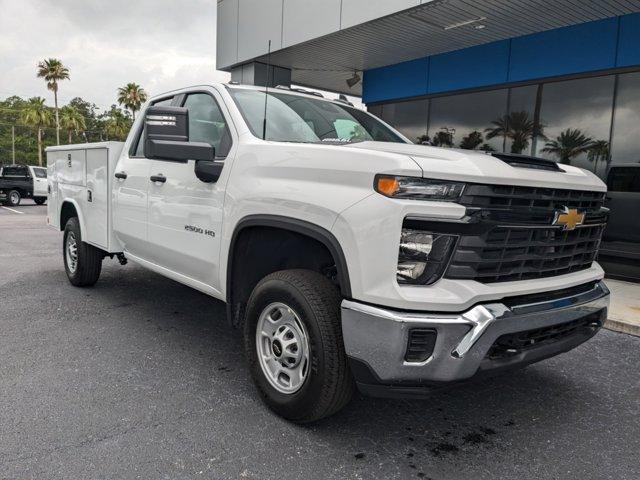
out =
column 294, row 118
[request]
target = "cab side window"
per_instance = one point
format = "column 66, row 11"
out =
column 207, row 124
column 18, row 172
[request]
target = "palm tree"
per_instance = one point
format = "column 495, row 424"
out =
column 36, row 114
column 599, row 151
column 52, row 70
column 518, row 127
column 72, row 121
column 569, row 144
column 117, row 125
column 132, row 96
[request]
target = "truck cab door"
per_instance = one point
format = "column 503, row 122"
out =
column 39, row 175
column 130, row 193
column 185, row 213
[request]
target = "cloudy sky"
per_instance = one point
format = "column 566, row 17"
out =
column 160, row 44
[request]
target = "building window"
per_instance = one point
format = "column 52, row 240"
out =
column 518, row 127
column 467, row 120
column 570, row 121
column 410, row 118
column 626, row 122
column 576, row 119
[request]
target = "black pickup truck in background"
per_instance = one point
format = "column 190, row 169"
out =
column 22, row 181
column 619, row 252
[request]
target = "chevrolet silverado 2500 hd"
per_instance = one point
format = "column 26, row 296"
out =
column 347, row 255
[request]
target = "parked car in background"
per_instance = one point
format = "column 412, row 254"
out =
column 620, row 250
column 23, row 181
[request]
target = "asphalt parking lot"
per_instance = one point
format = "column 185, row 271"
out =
column 139, row 377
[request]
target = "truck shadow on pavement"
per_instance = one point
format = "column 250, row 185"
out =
column 445, row 423
column 173, row 345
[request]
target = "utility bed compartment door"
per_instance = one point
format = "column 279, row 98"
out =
column 97, row 197
column 70, row 166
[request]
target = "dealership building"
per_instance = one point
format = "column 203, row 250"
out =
column 559, row 75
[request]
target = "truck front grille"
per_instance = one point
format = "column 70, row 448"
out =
column 519, row 253
column 519, row 242
column 508, row 197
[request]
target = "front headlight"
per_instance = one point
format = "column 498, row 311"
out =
column 423, row 256
column 418, row 188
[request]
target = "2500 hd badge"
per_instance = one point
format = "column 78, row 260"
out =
column 193, row 228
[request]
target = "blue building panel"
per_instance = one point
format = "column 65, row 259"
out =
column 598, row 45
column 407, row 79
column 576, row 49
column 629, row 41
column 471, row 67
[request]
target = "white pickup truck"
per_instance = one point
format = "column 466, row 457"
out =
column 347, row 255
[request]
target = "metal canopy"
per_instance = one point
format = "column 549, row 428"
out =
column 436, row 27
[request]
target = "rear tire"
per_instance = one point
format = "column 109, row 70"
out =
column 14, row 198
column 82, row 262
column 39, row 200
column 293, row 319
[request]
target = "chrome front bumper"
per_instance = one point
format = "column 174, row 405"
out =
column 376, row 338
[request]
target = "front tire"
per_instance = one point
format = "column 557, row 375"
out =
column 293, row 341
column 14, row 198
column 39, row 200
column 82, row 262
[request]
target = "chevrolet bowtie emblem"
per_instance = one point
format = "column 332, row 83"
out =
column 568, row 218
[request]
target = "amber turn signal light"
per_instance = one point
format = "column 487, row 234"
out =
column 387, row 186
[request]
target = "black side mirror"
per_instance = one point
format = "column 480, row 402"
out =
column 208, row 171
column 167, row 136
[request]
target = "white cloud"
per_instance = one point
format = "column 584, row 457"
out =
column 160, row 44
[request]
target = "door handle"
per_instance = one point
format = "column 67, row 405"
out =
column 158, row 178
column 121, row 175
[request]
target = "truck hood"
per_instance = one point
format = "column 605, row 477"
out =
column 481, row 167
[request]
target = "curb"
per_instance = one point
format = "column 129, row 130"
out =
column 622, row 327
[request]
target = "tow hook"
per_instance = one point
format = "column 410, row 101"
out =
column 122, row 259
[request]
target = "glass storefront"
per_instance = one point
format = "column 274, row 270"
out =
column 576, row 116
column 588, row 122
column 626, row 120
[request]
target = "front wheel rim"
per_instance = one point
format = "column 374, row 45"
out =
column 72, row 252
column 283, row 348
column 14, row 198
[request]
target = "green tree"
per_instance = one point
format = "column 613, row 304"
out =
column 52, row 70
column 117, row 124
column 472, row 141
column 569, row 144
column 37, row 115
column 519, row 127
column 94, row 123
column 72, row 121
column 132, row 96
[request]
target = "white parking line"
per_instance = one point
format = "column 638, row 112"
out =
column 12, row 210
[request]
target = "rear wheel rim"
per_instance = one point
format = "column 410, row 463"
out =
column 72, row 252
column 283, row 348
column 14, row 198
